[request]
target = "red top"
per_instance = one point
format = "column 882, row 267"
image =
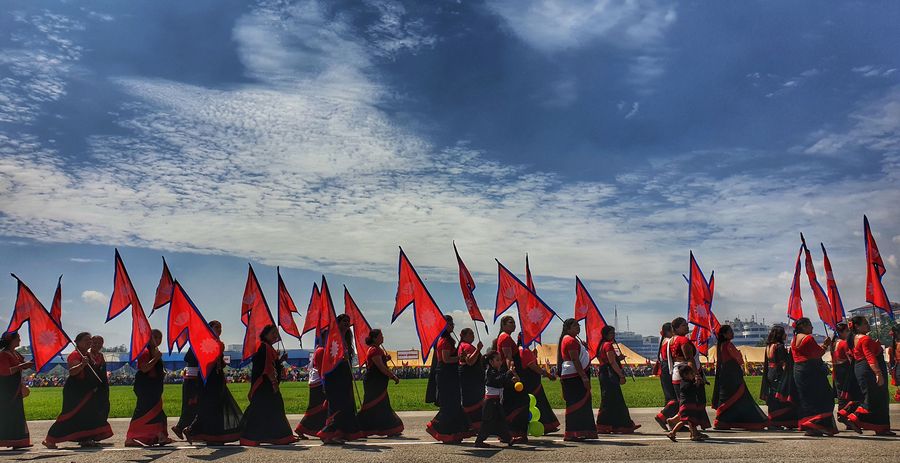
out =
column 808, row 349
column 663, row 352
column 603, row 355
column 75, row 358
column 727, row 351
column 465, row 350
column 372, row 352
column 527, row 357
column 842, row 352
column 142, row 361
column 676, row 347
column 9, row 359
column 570, row 344
column 318, row 355
column 445, row 345
column 868, row 348
column 505, row 341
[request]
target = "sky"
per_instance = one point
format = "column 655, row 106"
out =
column 605, row 139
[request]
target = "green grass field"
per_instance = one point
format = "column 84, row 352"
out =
column 45, row 403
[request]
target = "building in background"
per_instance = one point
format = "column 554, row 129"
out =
column 869, row 311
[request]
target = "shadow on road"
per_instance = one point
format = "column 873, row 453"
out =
column 219, row 453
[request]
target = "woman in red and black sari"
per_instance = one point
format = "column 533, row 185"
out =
column 13, row 427
column 148, row 423
column 846, row 389
column 665, row 377
column 317, row 409
column 871, row 374
column 531, row 375
column 471, row 376
column 735, row 407
column 573, row 360
column 515, row 404
column 894, row 358
column 816, row 398
column 190, row 393
column 613, row 416
column 341, row 424
column 778, row 388
column 450, row 425
column 80, row 421
column 218, row 416
column 264, row 421
column 100, row 401
column 691, row 403
column 376, row 417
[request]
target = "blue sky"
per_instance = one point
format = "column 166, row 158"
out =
column 606, row 139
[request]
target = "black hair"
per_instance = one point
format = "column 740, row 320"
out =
column 722, row 331
column 491, row 354
column 82, row 335
column 348, row 335
column 838, row 329
column 466, row 331
column 6, row 339
column 446, row 332
column 677, row 323
column 802, row 321
column 776, row 335
column 567, row 325
column 605, row 331
column 666, row 328
column 265, row 332
column 370, row 339
column 504, row 319
column 854, row 324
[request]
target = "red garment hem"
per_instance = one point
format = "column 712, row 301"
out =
column 808, row 422
column 865, row 425
column 212, row 439
column 145, row 432
column 97, row 434
column 447, row 437
column 283, row 441
column 580, row 435
column 473, row 407
column 383, row 432
column 300, row 429
column 331, row 435
column 26, row 442
column 607, row 429
column 748, row 426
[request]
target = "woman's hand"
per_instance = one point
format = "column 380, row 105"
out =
column 396, row 379
column 879, row 379
column 25, row 391
column 826, row 342
column 622, row 379
column 479, row 346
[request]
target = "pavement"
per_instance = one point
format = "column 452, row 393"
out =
column 648, row 444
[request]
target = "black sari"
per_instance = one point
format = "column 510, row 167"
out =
column 579, row 414
column 342, row 422
column 190, row 391
column 81, row 419
column 874, row 411
column 450, row 424
column 515, row 404
column 264, row 421
column 778, row 388
column 533, row 386
column 317, row 408
column 148, row 422
column 846, row 388
column 471, row 379
column 376, row 417
column 218, row 416
column 613, row 416
column 665, row 381
column 13, row 427
column 816, row 398
column 735, row 407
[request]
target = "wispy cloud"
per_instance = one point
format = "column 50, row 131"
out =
column 94, row 298
column 84, row 260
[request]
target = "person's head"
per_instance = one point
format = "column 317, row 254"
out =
column 375, row 338
column 96, row 343
column 83, row 341
column 680, row 326
column 686, row 372
column 507, row 324
column 860, row 324
column 216, row 327
column 776, row 335
column 467, row 335
column 155, row 338
column 895, row 333
column 343, row 321
column 608, row 333
column 493, row 359
column 666, row 330
column 570, row 328
column 725, row 333
column 269, row 334
column 803, row 326
column 10, row 340
column 842, row 330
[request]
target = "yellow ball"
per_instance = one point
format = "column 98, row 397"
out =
column 519, row 386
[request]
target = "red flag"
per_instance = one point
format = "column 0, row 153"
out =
column 795, row 301
column 313, row 312
column 875, row 270
column 204, row 342
column 822, row 304
column 467, row 285
column 428, row 317
column 834, row 296
column 255, row 314
column 286, row 308
column 360, row 326
column 594, row 321
column 47, row 337
column 700, row 336
column 179, row 320
column 163, row 289
column 531, row 301
column 714, row 321
column 123, row 297
column 330, row 332
column 699, row 299
column 56, row 305
column 534, row 313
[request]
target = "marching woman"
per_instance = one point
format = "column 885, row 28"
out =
column 341, row 424
column 190, row 393
column 218, row 417
column 871, row 374
column 101, row 398
column 816, row 398
column 264, row 421
column 376, row 417
column 78, row 421
column 894, row 357
column 778, row 388
column 531, row 375
column 13, row 427
column 515, row 404
column 665, row 377
column 735, row 407
column 846, row 388
column 573, row 359
column 613, row 416
column 148, row 423
column 683, row 352
column 450, row 425
column 471, row 376
column 317, row 409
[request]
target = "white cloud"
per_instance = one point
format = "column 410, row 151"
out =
column 635, row 107
column 892, row 260
column 84, row 260
column 874, row 71
column 94, row 298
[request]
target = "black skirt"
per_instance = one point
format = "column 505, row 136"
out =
column 735, row 407
column 341, row 422
column 579, row 414
column 846, row 389
column 665, row 381
column 13, row 427
column 613, row 416
column 79, row 421
column 316, row 412
column 779, row 391
column 450, row 424
column 533, row 386
column 874, row 411
column 471, row 380
column 815, row 397
column 264, row 421
column 692, row 404
column 148, row 422
column 376, row 417
column 190, row 394
column 219, row 417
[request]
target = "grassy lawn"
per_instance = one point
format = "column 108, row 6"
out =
column 45, row 403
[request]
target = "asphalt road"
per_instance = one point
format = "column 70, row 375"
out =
column 648, row 444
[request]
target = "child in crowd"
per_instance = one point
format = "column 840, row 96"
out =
column 493, row 418
column 691, row 404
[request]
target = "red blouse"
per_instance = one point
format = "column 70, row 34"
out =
column 372, row 352
column 808, row 349
column 868, row 348
column 527, row 357
column 75, row 358
column 8, row 360
column 842, row 352
column 570, row 344
column 445, row 345
column 676, row 347
column 663, row 352
column 143, row 360
column 603, row 355
column 505, row 341
column 727, row 351
column 318, row 355
column 465, row 350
